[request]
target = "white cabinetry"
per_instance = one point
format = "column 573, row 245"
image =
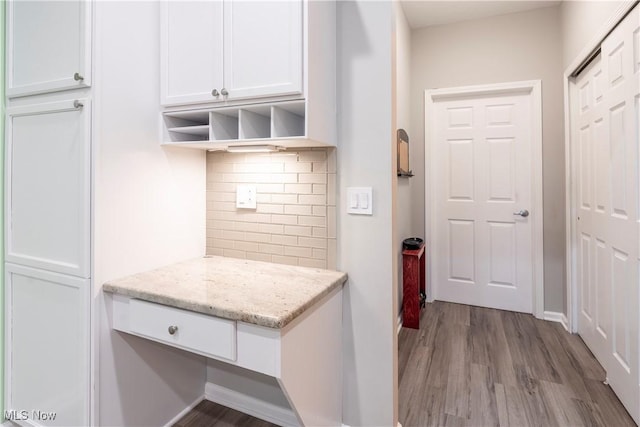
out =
column 191, row 51
column 226, row 50
column 48, row 46
column 47, row 345
column 48, row 186
column 262, row 48
column 278, row 83
column 48, row 211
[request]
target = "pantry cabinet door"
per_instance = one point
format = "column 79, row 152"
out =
column 46, row 347
column 263, row 48
column 191, row 51
column 48, row 46
column 48, row 186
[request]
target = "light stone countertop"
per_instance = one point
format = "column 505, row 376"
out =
column 261, row 293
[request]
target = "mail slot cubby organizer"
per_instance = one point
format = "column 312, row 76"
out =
column 283, row 124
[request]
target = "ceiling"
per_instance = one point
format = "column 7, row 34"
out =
column 424, row 13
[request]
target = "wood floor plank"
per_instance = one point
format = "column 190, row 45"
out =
column 209, row 414
column 485, row 367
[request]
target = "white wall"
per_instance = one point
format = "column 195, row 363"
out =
column 515, row 47
column 404, row 221
column 365, row 243
column 149, row 206
column 580, row 22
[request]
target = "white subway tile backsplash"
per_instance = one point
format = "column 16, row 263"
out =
column 318, row 221
column 319, row 232
column 271, row 249
column 257, row 237
column 312, row 178
column 291, row 224
column 258, row 256
column 297, row 210
column 270, row 208
column 295, row 230
column 232, row 253
column 284, row 219
column 315, row 199
column 298, row 188
column 297, row 167
column 313, row 263
column 298, row 251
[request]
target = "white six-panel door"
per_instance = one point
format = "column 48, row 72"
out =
column 481, row 155
column 605, row 120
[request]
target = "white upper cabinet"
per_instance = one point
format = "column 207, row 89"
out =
column 48, row 46
column 191, row 54
column 219, row 51
column 262, row 48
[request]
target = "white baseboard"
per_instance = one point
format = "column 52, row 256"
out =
column 399, row 323
column 554, row 316
column 250, row 405
column 184, row 412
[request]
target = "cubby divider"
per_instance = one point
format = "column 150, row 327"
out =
column 255, row 122
column 281, row 121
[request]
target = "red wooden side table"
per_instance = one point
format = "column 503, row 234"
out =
column 413, row 284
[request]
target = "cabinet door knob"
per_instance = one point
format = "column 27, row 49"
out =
column 173, row 330
column 224, row 92
column 77, row 77
column 77, row 104
column 215, row 93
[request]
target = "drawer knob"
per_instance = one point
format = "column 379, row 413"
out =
column 173, row 330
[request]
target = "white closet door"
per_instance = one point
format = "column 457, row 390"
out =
column 48, row 42
column 47, row 346
column 606, row 117
column 482, row 250
column 48, row 187
column 191, row 51
column 262, row 48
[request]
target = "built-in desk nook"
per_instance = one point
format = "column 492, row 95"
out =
column 278, row 320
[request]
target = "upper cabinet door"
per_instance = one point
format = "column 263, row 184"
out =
column 191, row 54
column 48, row 186
column 263, row 48
column 48, row 46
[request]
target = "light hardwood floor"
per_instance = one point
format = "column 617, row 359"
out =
column 209, row 414
column 477, row 367
column 471, row 366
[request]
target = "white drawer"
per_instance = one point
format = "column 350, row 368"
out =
column 196, row 332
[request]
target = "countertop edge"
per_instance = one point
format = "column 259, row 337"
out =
column 260, row 320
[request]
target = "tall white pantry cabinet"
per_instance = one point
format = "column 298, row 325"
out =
column 93, row 195
column 48, row 189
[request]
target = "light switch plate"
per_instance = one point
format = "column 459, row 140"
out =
column 360, row 200
column 246, row 197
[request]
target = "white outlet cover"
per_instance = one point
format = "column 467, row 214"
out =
column 246, row 197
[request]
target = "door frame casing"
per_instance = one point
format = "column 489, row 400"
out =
column 570, row 195
column 533, row 88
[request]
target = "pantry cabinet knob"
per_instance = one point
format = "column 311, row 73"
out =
column 215, row 93
column 77, row 77
column 173, row 330
column 224, row 92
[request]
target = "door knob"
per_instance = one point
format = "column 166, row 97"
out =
column 523, row 213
